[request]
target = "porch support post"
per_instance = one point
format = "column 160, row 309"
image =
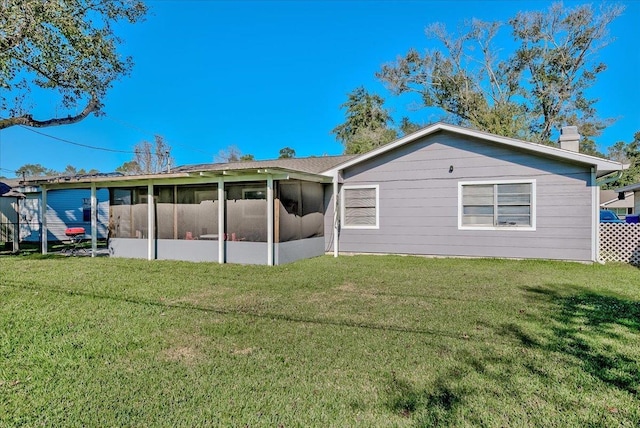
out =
column 43, row 230
column 336, row 215
column 270, row 257
column 221, row 209
column 151, row 248
column 94, row 221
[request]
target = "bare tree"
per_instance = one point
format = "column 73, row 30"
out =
column 231, row 154
column 153, row 158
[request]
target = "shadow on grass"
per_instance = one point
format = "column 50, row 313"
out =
column 235, row 311
column 582, row 326
column 596, row 331
column 431, row 407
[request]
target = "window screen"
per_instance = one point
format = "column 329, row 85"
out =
column 359, row 207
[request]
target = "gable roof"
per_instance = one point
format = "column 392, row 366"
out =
column 610, row 199
column 603, row 166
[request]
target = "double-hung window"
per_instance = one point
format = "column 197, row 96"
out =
column 497, row 205
column 360, row 207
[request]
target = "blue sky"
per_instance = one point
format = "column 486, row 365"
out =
column 265, row 75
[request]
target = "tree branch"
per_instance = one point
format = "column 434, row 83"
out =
column 28, row 120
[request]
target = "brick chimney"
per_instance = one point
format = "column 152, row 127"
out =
column 569, row 138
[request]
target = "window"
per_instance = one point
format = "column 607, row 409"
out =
column 508, row 204
column 86, row 209
column 257, row 193
column 622, row 212
column 360, row 207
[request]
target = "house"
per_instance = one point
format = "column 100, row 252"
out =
column 65, row 208
column 9, row 206
column 443, row 191
column 613, row 201
column 635, row 188
column 450, row 191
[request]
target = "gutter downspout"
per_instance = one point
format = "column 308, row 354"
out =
column 336, row 224
column 595, row 217
column 608, row 179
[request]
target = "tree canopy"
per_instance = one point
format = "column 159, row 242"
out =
column 37, row 170
column 286, row 153
column 626, row 153
column 34, row 170
column 64, row 48
column 528, row 93
column 367, row 124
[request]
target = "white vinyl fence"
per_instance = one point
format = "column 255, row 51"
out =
column 620, row 242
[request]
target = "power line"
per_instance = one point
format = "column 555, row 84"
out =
column 77, row 144
column 145, row 131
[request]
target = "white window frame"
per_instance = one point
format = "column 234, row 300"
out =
column 534, row 205
column 376, row 187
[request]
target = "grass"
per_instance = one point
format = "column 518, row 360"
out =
column 353, row 341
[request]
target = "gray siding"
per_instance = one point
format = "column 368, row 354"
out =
column 287, row 252
column 419, row 202
column 128, row 248
column 191, row 250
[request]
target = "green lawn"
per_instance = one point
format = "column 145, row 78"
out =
column 353, row 341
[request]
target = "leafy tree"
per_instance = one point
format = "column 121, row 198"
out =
column 70, row 170
column 536, row 89
column 34, row 170
column 66, row 48
column 247, row 158
column 287, row 153
column 129, row 168
column 407, row 127
column 73, row 171
column 153, row 158
column 626, row 153
column 367, row 123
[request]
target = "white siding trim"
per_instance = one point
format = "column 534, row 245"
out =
column 603, row 166
column 344, row 225
column 534, row 204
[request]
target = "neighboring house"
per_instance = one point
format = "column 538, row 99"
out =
column 442, row 191
column 9, row 205
column 610, row 200
column 65, row 208
column 635, row 188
